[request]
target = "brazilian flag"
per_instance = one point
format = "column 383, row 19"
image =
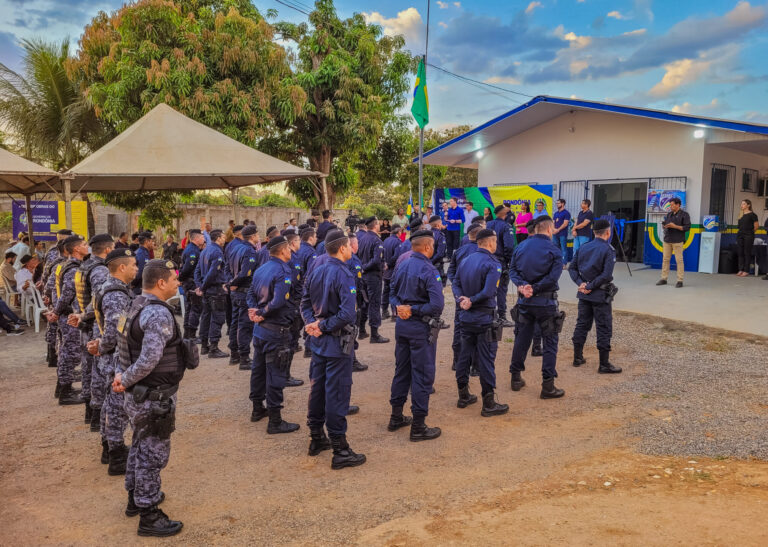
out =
column 420, row 107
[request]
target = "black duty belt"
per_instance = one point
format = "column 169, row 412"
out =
column 159, row 393
column 241, row 289
column 274, row 327
column 551, row 295
column 483, row 309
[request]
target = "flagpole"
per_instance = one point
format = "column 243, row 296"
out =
column 421, row 131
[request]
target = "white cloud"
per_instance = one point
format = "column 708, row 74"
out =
column 502, row 80
column 443, row 5
column 457, row 4
column 679, row 73
column 408, row 23
column 636, row 32
column 713, row 108
column 616, row 15
column 442, row 24
column 532, row 6
column 755, row 116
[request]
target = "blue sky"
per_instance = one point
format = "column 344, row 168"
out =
column 705, row 57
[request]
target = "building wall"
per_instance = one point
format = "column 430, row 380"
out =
column 593, row 145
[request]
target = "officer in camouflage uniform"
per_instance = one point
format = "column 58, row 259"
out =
column 69, row 352
column 52, row 258
column 153, row 356
column 91, row 275
column 110, row 301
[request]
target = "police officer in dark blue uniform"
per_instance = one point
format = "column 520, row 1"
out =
column 270, row 308
column 211, row 276
column 477, row 221
column 474, row 287
column 356, row 268
column 230, row 249
column 371, row 253
column 417, row 297
column 535, row 270
column 297, row 289
column 272, row 231
column 592, row 271
column 441, row 246
column 326, row 225
column 328, row 309
column 306, row 252
column 242, row 264
column 503, row 225
column 193, row 303
column 460, row 254
column 391, row 245
column 146, row 246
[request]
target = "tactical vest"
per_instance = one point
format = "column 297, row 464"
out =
column 83, row 282
column 170, row 369
column 98, row 312
column 62, row 269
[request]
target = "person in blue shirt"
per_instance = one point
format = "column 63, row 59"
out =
column 391, row 244
column 582, row 228
column 306, row 252
column 592, row 271
column 297, row 290
column 503, row 225
column 211, row 276
column 328, row 309
column 535, row 270
column 441, row 246
column 417, row 297
column 460, row 254
column 454, row 218
column 540, row 209
column 474, row 289
column 271, row 309
column 230, row 250
column 325, row 225
column 371, row 253
column 356, row 268
column 143, row 254
column 242, row 262
column 193, row 303
column 207, row 233
column 562, row 219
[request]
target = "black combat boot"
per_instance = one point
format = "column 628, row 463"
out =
column 70, row 396
column 259, row 411
column 473, row 372
column 421, row 432
column 319, row 442
column 549, row 391
column 536, row 350
column 57, row 391
column 293, row 382
column 188, row 333
column 307, row 352
column 245, row 362
column 52, row 359
column 362, row 334
column 277, row 424
column 377, row 338
column 357, row 366
column 215, row 353
column 465, row 397
column 343, row 455
column 491, row 407
column 88, row 411
column 352, row 410
column 506, row 323
column 104, row 451
column 517, row 381
column 96, row 419
column 153, row 522
column 385, row 313
column 118, row 457
column 578, row 355
column 234, row 359
column 605, row 365
column 131, row 510
column 204, row 348
column 397, row 420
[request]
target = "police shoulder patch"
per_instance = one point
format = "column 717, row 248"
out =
column 252, row 260
column 438, row 278
column 288, row 280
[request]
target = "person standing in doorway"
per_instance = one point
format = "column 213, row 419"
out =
column 745, row 238
column 521, row 222
column 454, row 217
column 582, row 230
column 562, row 218
column 676, row 224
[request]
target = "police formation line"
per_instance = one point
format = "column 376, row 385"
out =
column 109, row 314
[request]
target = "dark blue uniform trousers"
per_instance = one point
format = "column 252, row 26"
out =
column 373, row 283
column 241, row 326
column 474, row 342
column 330, row 390
column 603, row 317
column 232, row 326
column 501, row 294
column 524, row 332
column 414, row 365
column 193, row 307
column 385, row 293
column 213, row 316
column 267, row 379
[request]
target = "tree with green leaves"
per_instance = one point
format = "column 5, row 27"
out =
column 355, row 79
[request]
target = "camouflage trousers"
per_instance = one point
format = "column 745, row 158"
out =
column 100, row 381
column 148, row 454
column 70, row 352
column 87, row 361
column 114, row 420
column 51, row 333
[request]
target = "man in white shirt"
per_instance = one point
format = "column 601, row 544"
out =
column 21, row 249
column 24, row 282
column 469, row 214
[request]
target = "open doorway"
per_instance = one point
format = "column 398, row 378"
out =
column 627, row 201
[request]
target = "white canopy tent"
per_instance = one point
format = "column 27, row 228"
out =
column 165, row 150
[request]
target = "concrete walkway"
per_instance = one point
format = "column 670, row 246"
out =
column 721, row 301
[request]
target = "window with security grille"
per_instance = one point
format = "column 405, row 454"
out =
column 749, row 180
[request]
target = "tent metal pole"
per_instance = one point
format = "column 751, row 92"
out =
column 68, row 200
column 235, row 211
column 30, row 227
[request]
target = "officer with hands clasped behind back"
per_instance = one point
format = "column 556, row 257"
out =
column 503, row 225
column 242, row 263
column 592, row 271
column 211, row 276
column 535, row 270
column 153, row 358
column 328, row 310
column 269, row 307
column 474, row 288
column 193, row 303
column 417, row 297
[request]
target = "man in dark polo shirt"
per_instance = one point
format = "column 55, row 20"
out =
column 676, row 224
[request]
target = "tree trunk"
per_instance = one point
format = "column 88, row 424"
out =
column 322, row 163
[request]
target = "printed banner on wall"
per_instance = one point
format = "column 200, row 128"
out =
column 659, row 200
column 48, row 217
column 512, row 196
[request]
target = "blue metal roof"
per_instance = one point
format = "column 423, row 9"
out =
column 616, row 109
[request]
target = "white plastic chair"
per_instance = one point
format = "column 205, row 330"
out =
column 10, row 293
column 37, row 308
column 180, row 298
